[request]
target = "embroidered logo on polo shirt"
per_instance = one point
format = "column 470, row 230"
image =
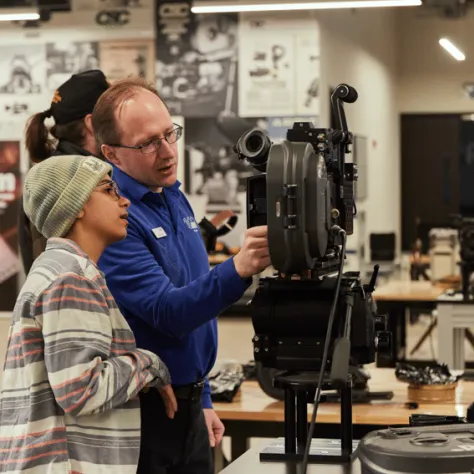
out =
column 159, row 232
column 191, row 223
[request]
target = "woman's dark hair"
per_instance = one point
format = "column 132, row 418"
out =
column 38, row 142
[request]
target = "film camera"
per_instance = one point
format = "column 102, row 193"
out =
column 310, row 319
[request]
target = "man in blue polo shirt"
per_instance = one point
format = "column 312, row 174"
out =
column 160, row 276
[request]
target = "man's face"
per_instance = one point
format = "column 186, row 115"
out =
column 142, row 118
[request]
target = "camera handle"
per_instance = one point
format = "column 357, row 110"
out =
column 343, row 93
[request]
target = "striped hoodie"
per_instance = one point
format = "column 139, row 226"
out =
column 72, row 373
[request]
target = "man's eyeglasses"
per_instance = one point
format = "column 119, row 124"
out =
column 154, row 145
column 111, row 188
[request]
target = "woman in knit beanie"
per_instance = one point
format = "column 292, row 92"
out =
column 72, row 371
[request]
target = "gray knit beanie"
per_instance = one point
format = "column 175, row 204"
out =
column 57, row 189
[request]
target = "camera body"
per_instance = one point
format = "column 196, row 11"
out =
column 305, row 195
column 307, row 189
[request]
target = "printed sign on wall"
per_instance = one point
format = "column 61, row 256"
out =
column 279, row 69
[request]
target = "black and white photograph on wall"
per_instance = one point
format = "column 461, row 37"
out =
column 22, row 80
column 196, row 60
column 278, row 66
column 215, row 179
column 121, row 59
column 22, row 70
column 67, row 58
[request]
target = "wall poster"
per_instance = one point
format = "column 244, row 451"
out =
column 22, row 80
column 279, row 66
column 10, row 194
column 196, row 60
column 121, row 59
column 67, row 58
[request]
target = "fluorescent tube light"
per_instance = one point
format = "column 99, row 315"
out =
column 452, row 50
column 18, row 14
column 203, row 7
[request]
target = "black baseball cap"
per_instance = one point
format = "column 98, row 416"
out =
column 77, row 97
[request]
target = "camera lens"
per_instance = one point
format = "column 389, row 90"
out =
column 254, row 143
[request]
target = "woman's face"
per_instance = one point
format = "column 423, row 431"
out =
column 105, row 213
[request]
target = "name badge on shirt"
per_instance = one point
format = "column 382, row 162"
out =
column 159, row 232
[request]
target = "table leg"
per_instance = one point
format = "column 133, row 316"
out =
column 445, row 335
column 218, row 459
column 239, row 446
column 458, row 353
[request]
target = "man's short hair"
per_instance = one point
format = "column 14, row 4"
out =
column 106, row 128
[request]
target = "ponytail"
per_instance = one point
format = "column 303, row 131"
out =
column 38, row 143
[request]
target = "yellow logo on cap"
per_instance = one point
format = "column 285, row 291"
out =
column 56, row 98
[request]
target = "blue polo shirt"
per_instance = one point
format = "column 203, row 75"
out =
column 160, row 277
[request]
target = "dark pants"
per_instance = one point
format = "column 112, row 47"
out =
column 173, row 446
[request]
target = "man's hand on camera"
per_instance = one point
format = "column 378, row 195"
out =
column 253, row 257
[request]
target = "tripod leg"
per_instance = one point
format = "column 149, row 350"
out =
column 301, row 420
column 346, row 420
column 290, row 422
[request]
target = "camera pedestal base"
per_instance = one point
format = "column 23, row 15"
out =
column 299, row 390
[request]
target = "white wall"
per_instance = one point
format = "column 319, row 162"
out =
column 360, row 48
column 430, row 79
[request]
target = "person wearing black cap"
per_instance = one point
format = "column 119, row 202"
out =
column 71, row 108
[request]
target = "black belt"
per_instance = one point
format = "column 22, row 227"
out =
column 192, row 391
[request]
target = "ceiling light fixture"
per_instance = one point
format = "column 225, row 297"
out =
column 18, row 14
column 453, row 50
column 207, row 7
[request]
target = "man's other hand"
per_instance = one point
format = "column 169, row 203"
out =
column 253, row 257
column 215, row 427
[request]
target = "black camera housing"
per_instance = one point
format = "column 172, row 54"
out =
column 305, row 195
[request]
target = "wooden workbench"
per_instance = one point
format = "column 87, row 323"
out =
column 255, row 415
column 408, row 291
